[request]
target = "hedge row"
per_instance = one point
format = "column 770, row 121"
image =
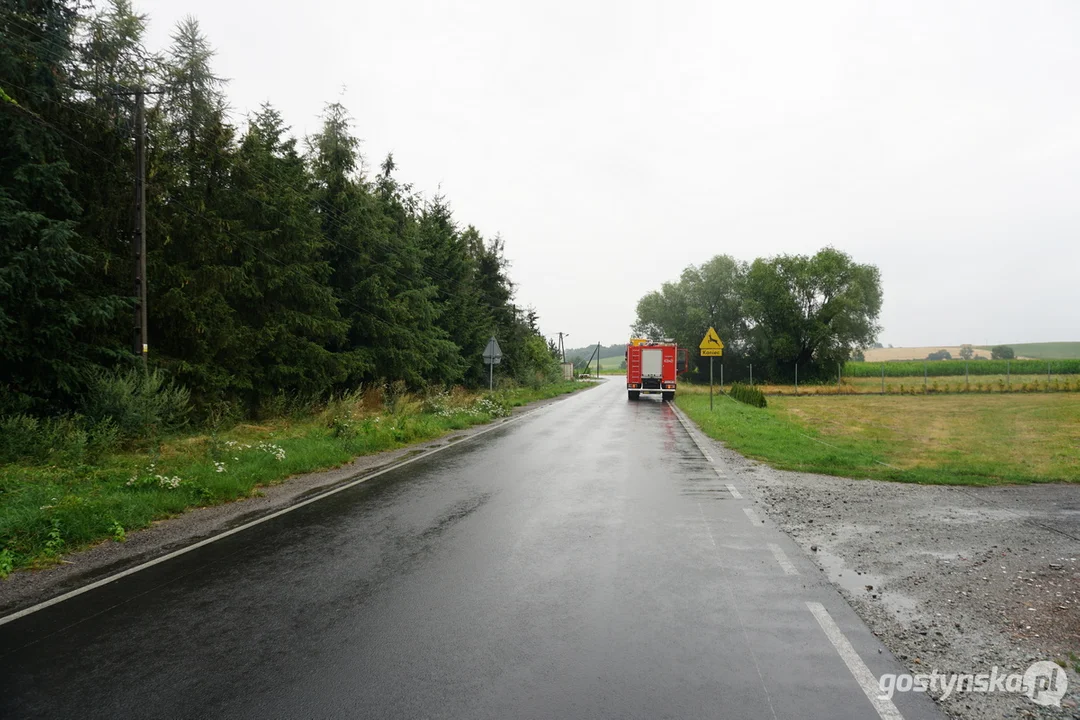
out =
column 747, row 394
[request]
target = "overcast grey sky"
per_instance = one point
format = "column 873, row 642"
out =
column 614, row 143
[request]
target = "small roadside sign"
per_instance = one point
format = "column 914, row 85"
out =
column 492, row 357
column 711, row 345
column 492, row 353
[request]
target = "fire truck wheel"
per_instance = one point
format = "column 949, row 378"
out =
column 633, row 394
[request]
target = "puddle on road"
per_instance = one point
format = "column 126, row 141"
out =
column 866, row 585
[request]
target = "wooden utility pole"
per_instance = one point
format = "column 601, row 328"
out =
column 138, row 237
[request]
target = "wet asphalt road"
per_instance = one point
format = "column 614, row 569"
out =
column 585, row 561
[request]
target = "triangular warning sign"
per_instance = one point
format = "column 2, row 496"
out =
column 711, row 341
column 493, row 353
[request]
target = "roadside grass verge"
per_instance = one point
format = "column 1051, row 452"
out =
column 948, row 439
column 48, row 509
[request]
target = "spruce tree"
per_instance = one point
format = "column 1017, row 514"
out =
column 282, row 296
column 460, row 310
column 193, row 261
column 46, row 314
column 415, row 347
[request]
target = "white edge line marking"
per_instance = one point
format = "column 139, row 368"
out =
column 753, row 516
column 782, row 558
column 176, row 553
column 869, row 684
column 734, row 492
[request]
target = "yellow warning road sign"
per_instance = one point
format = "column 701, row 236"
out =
column 711, row 345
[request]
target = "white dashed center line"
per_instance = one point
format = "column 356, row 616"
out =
column 855, row 664
column 782, row 558
column 753, row 517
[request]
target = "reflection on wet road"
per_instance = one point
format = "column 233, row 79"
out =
column 587, row 561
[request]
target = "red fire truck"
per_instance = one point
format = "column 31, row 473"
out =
column 652, row 367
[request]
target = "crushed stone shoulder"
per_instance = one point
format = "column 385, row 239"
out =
column 953, row 579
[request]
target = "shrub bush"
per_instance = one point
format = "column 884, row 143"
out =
column 394, row 392
column 68, row 439
column 138, row 403
column 747, row 394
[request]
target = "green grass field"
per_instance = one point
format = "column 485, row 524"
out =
column 948, row 439
column 608, row 366
column 1046, row 351
column 50, row 508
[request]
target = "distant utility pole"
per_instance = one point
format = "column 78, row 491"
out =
column 562, row 347
column 140, row 342
column 138, row 238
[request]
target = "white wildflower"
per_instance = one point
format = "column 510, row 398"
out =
column 271, row 449
column 167, row 482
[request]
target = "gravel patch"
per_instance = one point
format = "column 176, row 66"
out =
column 953, row 579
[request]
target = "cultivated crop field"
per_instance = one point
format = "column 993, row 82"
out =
column 1050, row 350
column 971, row 439
column 1041, row 351
column 958, row 368
column 917, row 353
column 917, row 385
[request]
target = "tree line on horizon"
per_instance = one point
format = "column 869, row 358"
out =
column 810, row 311
column 275, row 266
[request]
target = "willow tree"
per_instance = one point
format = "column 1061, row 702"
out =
column 814, row 311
